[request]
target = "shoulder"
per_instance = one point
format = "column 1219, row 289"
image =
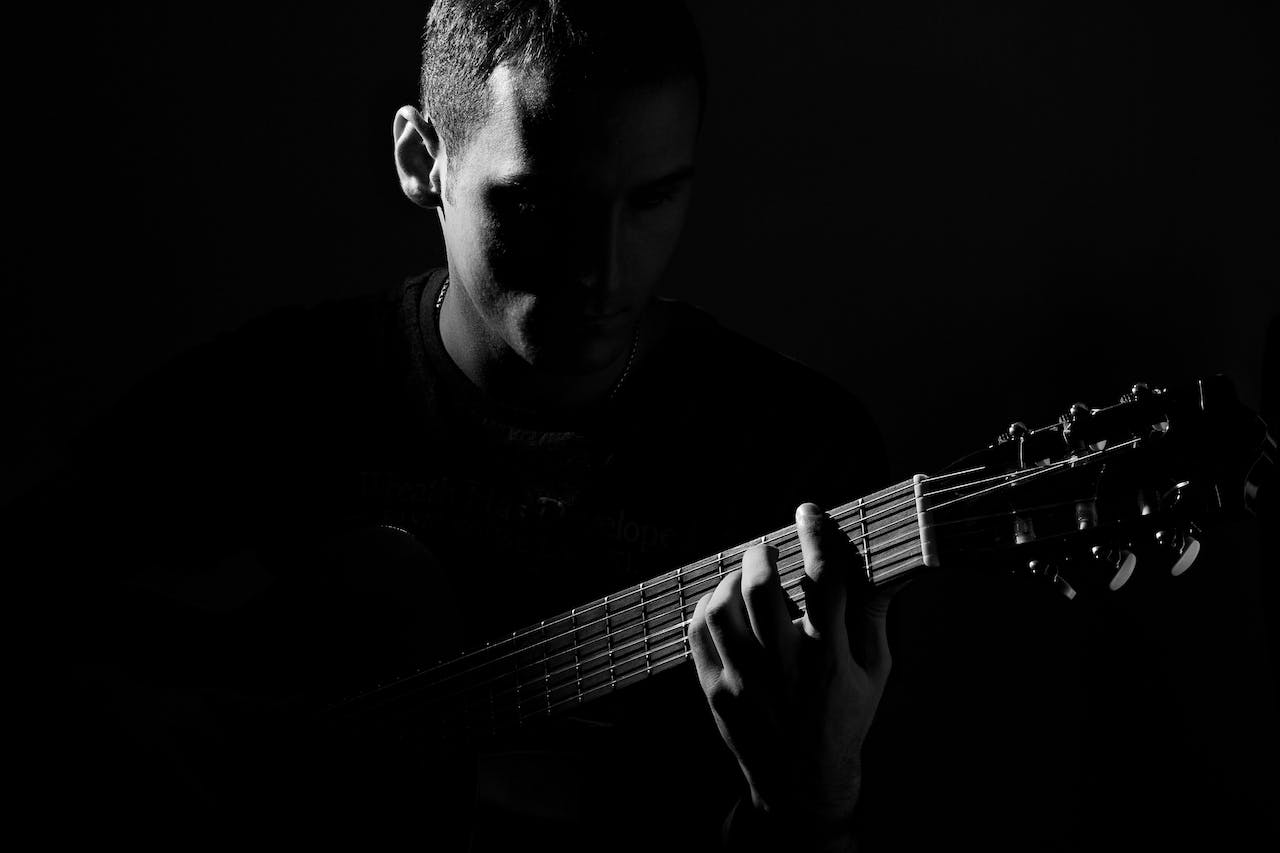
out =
column 730, row 368
column 760, row 403
column 271, row 364
column 251, row 401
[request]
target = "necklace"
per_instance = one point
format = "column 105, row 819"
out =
column 617, row 385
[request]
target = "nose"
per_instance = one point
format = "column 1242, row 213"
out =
column 596, row 247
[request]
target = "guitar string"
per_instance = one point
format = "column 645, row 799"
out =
column 466, row 721
column 579, row 645
column 547, row 706
column 608, row 657
column 1007, row 514
column 1038, row 472
column 541, row 683
column 644, row 637
column 786, row 537
column 543, row 686
column 612, row 659
column 711, row 565
column 645, row 619
column 686, row 581
column 867, row 537
column 608, row 617
column 860, row 505
column 610, row 650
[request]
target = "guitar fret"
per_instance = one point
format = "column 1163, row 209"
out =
column 546, row 665
column 515, row 676
column 493, row 717
column 684, row 630
column 577, row 656
column 608, row 638
column 644, row 628
column 862, row 538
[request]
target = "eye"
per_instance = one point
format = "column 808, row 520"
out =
column 526, row 205
column 651, row 200
column 519, row 203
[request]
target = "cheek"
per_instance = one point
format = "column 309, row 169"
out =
column 517, row 248
column 652, row 239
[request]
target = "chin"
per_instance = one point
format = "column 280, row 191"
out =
column 580, row 355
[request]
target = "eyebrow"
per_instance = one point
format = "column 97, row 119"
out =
column 520, row 181
column 684, row 173
column 530, row 181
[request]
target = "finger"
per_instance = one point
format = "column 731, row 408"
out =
column 730, row 630
column 766, row 603
column 825, row 566
column 705, row 657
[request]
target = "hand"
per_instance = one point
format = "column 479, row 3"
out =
column 793, row 699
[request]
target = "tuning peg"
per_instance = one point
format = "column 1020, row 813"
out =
column 1190, row 550
column 1061, row 585
column 1140, row 392
column 1121, row 562
column 1185, row 545
column 1073, row 422
column 1046, row 570
column 1016, row 432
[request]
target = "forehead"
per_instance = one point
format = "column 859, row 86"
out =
column 601, row 139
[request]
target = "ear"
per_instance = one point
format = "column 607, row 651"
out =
column 420, row 158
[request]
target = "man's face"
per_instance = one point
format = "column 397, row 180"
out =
column 561, row 217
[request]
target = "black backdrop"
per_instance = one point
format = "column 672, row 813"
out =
column 968, row 213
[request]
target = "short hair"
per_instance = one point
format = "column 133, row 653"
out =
column 570, row 42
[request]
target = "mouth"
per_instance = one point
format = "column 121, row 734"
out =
column 603, row 315
column 588, row 317
column 609, row 320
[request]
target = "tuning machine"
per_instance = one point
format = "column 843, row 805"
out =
column 1181, row 540
column 1050, row 572
column 1183, row 544
column 1119, row 563
column 1074, row 423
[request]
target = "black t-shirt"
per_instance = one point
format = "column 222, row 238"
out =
column 203, row 572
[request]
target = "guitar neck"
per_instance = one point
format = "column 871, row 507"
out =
column 629, row 635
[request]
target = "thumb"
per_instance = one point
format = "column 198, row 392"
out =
column 868, row 624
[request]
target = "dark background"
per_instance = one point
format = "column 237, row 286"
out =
column 967, row 213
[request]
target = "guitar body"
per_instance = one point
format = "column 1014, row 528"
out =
column 422, row 776
column 455, row 785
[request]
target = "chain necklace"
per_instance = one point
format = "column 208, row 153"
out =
column 617, row 385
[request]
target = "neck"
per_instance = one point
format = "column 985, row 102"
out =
column 636, row 632
column 506, row 377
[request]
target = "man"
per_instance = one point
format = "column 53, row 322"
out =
column 561, row 200
column 535, row 417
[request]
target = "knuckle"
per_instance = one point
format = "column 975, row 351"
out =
column 699, row 618
column 721, row 599
column 816, row 566
column 723, row 695
column 753, row 582
column 720, row 700
column 717, row 614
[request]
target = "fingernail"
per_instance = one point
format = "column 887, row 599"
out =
column 809, row 510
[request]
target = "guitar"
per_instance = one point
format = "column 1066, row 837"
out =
column 1075, row 504
column 1079, row 505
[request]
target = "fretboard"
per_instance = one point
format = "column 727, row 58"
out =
column 630, row 635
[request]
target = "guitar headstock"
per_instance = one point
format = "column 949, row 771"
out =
column 1081, row 502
